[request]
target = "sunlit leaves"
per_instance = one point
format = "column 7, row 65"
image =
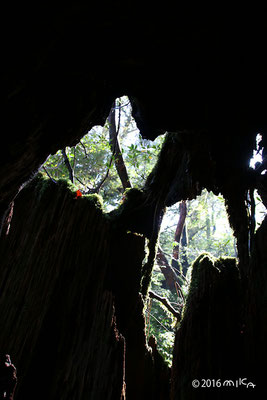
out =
column 93, row 162
column 205, row 211
column 208, row 230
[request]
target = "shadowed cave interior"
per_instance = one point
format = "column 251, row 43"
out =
column 73, row 279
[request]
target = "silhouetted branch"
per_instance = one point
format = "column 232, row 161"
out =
column 67, row 163
column 84, row 149
column 168, row 270
column 179, row 229
column 100, row 184
column 116, row 150
column 49, row 176
column 166, row 303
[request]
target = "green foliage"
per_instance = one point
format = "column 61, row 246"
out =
column 160, row 324
column 93, row 163
column 90, row 160
column 208, row 230
column 207, row 227
column 159, row 321
column 42, row 186
column 140, row 159
column 94, row 171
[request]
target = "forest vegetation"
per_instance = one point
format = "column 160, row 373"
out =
column 111, row 159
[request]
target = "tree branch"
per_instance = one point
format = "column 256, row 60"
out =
column 179, row 229
column 192, row 233
column 166, row 303
column 90, row 190
column 84, row 149
column 49, row 176
column 100, row 184
column 67, row 163
column 168, row 271
column 116, row 150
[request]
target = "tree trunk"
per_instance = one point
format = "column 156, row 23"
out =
column 178, row 233
column 208, row 342
column 183, row 254
column 67, row 163
column 169, row 274
column 71, row 313
column 116, row 150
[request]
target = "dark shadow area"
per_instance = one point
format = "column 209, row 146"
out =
column 73, row 281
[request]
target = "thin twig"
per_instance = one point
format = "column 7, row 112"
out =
column 82, row 183
column 74, row 160
column 119, row 122
column 49, row 176
column 122, row 105
column 181, row 274
column 160, row 323
column 166, row 303
column 84, row 149
column 96, row 190
column 179, row 290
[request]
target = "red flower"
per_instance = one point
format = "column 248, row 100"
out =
column 78, row 194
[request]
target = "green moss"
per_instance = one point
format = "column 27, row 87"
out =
column 131, row 201
column 40, row 183
column 203, row 263
column 146, row 277
column 139, row 215
column 226, row 262
column 135, row 214
column 44, row 189
column 96, row 199
column 67, row 184
column 205, row 273
column 147, row 269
